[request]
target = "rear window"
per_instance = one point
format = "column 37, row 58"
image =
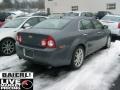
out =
column 52, row 24
column 111, row 18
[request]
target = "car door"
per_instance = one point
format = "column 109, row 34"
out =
column 101, row 33
column 89, row 33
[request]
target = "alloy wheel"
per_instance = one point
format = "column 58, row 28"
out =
column 78, row 58
column 109, row 42
column 8, row 47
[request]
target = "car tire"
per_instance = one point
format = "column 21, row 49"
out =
column 7, row 47
column 77, row 58
column 108, row 44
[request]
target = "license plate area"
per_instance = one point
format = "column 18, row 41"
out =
column 28, row 53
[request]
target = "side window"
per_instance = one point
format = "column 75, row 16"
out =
column 97, row 24
column 33, row 21
column 87, row 24
column 81, row 26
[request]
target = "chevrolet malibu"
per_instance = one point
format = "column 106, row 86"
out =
column 62, row 41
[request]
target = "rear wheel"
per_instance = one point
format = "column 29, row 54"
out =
column 77, row 58
column 108, row 44
column 7, row 47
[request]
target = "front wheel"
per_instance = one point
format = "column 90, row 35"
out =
column 77, row 58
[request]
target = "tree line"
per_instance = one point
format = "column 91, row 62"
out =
column 25, row 4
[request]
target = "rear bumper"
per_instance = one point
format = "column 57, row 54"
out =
column 52, row 57
column 115, row 37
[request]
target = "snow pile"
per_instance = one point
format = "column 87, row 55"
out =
column 97, row 74
column 10, row 62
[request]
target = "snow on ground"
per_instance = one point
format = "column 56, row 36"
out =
column 97, row 74
column 10, row 62
column 99, row 71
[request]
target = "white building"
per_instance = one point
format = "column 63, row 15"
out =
column 61, row 6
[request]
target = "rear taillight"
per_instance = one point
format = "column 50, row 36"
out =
column 19, row 38
column 119, row 25
column 49, row 42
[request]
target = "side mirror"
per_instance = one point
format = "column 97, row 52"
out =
column 26, row 26
column 105, row 27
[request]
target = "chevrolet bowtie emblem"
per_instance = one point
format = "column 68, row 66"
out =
column 30, row 36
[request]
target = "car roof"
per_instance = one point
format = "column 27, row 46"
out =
column 74, row 17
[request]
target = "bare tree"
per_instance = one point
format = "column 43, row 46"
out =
column 8, row 4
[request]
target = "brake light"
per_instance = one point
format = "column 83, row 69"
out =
column 19, row 38
column 119, row 25
column 49, row 42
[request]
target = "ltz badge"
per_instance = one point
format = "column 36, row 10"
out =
column 16, row 81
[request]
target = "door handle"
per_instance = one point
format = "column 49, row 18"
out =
column 99, row 32
column 85, row 34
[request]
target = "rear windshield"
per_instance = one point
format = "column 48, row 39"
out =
column 52, row 24
column 111, row 18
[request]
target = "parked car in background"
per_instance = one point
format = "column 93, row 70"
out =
column 3, row 16
column 40, row 13
column 78, row 13
column 56, row 15
column 15, row 14
column 113, row 22
column 9, row 30
column 63, row 41
column 101, row 14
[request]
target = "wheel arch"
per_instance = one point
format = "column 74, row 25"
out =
column 76, row 46
column 84, row 49
column 83, row 46
column 8, row 38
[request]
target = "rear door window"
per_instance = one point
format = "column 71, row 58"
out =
column 97, row 24
column 87, row 24
column 81, row 26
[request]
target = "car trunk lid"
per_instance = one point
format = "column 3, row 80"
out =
column 33, row 38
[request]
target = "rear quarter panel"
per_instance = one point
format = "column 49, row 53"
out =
column 8, row 35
